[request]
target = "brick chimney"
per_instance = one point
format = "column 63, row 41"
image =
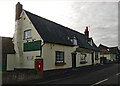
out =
column 18, row 10
column 86, row 32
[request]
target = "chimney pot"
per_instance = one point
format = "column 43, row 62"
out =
column 86, row 32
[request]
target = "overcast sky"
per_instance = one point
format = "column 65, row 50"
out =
column 102, row 17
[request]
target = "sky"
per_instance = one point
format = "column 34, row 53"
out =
column 101, row 17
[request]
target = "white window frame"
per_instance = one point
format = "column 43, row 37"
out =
column 74, row 41
column 27, row 34
column 59, row 57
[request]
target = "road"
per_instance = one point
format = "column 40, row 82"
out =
column 110, row 75
column 91, row 76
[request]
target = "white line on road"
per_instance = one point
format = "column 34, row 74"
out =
column 118, row 74
column 99, row 82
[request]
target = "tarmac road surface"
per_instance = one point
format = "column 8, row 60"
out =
column 107, row 76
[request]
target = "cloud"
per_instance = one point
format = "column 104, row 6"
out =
column 102, row 17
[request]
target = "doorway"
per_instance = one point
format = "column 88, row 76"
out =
column 73, row 60
column 92, row 58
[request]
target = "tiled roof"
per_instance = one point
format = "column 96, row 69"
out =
column 114, row 50
column 55, row 33
column 106, row 49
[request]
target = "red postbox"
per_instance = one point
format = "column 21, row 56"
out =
column 39, row 65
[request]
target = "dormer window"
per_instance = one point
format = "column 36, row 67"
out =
column 28, row 34
column 74, row 40
column 68, row 38
column 90, row 42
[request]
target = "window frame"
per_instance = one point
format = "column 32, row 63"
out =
column 84, row 58
column 74, row 41
column 59, row 54
column 25, row 34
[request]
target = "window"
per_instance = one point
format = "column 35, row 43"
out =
column 74, row 40
column 83, row 58
column 27, row 34
column 90, row 42
column 59, row 57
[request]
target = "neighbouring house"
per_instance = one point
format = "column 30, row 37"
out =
column 108, row 53
column 8, row 52
column 114, row 53
column 104, row 53
column 42, row 43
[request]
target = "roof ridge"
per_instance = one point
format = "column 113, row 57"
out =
column 104, row 45
column 108, row 46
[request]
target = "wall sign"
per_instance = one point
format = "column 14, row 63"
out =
column 32, row 46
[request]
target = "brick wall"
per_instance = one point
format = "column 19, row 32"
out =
column 19, row 75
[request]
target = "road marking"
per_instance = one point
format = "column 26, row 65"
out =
column 118, row 74
column 100, row 82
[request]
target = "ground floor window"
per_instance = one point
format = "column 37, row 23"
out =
column 59, row 57
column 83, row 58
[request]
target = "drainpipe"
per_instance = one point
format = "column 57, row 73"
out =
column 41, row 48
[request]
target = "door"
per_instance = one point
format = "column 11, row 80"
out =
column 73, row 60
column 92, row 58
column 4, row 62
column 103, row 60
